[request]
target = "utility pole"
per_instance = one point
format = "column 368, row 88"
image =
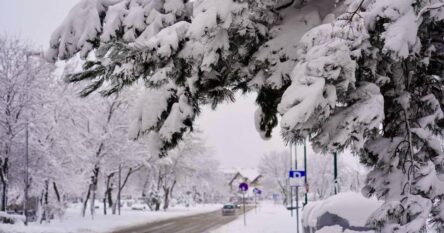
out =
column 335, row 173
column 25, row 204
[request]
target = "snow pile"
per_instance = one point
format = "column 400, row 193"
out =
column 349, row 210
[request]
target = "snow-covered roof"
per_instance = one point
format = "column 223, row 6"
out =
column 250, row 173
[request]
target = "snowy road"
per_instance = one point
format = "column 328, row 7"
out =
column 199, row 223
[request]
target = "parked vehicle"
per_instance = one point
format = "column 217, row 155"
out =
column 139, row 206
column 228, row 209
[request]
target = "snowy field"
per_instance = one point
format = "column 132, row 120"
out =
column 268, row 218
column 74, row 223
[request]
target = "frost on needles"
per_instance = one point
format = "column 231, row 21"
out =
column 360, row 74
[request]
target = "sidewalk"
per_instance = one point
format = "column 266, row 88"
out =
column 267, row 218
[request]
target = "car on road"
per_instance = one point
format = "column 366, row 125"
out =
column 228, row 209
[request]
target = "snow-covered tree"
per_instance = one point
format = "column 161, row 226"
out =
column 23, row 79
column 274, row 169
column 369, row 81
column 180, row 167
column 364, row 74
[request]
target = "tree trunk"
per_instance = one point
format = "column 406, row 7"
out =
column 104, row 205
column 4, row 196
column 159, row 181
column 167, row 192
column 94, row 180
column 120, row 186
column 145, row 185
column 85, row 202
column 107, row 195
column 171, row 189
column 92, row 203
column 157, row 206
column 110, row 198
column 114, row 207
column 56, row 191
column 166, row 198
column 92, row 188
column 44, row 203
column 4, row 179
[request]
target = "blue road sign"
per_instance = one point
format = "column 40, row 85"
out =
column 257, row 191
column 275, row 196
column 296, row 174
column 243, row 186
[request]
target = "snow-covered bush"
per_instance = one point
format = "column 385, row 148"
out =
column 11, row 218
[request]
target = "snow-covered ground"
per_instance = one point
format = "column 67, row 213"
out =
column 267, row 218
column 74, row 223
column 274, row 218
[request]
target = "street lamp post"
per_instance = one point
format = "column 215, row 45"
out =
column 25, row 204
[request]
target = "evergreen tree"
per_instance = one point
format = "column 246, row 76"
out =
column 365, row 74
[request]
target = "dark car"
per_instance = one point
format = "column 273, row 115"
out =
column 228, row 209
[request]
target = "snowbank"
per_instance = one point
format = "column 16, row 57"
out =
column 345, row 211
column 74, row 223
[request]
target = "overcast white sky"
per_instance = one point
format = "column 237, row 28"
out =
column 229, row 130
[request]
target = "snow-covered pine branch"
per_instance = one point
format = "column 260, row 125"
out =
column 372, row 82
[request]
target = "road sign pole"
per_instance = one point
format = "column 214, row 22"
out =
column 255, row 203
column 291, row 188
column 245, row 217
column 297, row 209
column 335, row 172
column 244, row 188
column 306, row 173
column 297, row 190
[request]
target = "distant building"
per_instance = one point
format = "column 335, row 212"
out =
column 236, row 176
